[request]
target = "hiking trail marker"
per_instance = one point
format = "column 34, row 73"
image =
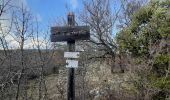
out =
column 70, row 33
column 71, row 64
column 71, row 54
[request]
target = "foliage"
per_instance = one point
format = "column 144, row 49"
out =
column 147, row 38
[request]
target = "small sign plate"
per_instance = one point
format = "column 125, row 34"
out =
column 71, row 54
column 71, row 64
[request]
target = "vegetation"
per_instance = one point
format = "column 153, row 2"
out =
column 146, row 39
column 134, row 64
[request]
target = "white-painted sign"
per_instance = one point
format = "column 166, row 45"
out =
column 71, row 63
column 71, row 54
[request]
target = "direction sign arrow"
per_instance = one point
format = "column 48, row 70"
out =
column 71, row 63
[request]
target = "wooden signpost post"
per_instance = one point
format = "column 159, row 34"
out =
column 70, row 33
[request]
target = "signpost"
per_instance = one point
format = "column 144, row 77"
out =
column 70, row 33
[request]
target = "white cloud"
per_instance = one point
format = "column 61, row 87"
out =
column 5, row 25
column 74, row 4
column 32, row 43
column 11, row 42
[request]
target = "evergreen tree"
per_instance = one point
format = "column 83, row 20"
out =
column 147, row 37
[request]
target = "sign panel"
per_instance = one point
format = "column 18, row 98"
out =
column 71, row 54
column 71, row 64
column 69, row 33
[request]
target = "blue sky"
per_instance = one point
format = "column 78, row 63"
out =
column 48, row 13
column 49, row 10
